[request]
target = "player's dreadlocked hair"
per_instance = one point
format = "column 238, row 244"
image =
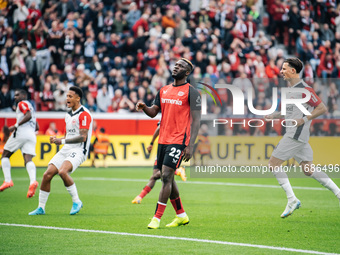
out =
column 189, row 63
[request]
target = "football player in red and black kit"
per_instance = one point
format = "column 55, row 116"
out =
column 180, row 105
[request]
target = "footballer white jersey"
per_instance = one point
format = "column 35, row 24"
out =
column 79, row 119
column 28, row 128
column 300, row 133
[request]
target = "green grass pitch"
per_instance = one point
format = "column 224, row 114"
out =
column 240, row 214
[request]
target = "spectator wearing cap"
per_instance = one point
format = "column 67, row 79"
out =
column 133, row 15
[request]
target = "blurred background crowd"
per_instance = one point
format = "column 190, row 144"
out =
column 122, row 51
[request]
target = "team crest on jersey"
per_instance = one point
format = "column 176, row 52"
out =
column 181, row 93
column 74, row 122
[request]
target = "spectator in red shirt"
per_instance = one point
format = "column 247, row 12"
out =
column 151, row 57
column 143, row 22
column 278, row 9
column 326, row 66
column 272, row 70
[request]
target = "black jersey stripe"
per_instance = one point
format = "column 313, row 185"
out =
column 299, row 130
column 73, row 114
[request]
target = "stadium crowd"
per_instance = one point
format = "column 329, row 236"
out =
column 119, row 52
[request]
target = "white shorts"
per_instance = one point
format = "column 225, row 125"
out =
column 25, row 144
column 289, row 148
column 75, row 156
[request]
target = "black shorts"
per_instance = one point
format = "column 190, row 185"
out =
column 170, row 155
column 155, row 166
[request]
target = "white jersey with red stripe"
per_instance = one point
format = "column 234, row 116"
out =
column 300, row 133
column 79, row 119
column 28, row 128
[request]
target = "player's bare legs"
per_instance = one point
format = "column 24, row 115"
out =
column 321, row 177
column 174, row 191
column 64, row 172
column 293, row 203
column 47, row 178
column 181, row 216
column 156, row 175
column 169, row 189
column 32, row 173
column 45, row 189
column 167, row 179
column 6, row 169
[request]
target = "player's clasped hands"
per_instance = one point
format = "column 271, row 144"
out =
column 54, row 139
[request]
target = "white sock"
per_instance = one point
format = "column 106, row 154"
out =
column 73, row 192
column 283, row 180
column 43, row 196
column 159, row 220
column 32, row 171
column 323, row 178
column 182, row 215
column 6, row 168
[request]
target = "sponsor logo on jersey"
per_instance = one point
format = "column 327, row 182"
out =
column 71, row 130
column 171, row 101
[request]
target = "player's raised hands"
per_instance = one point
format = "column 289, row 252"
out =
column 140, row 106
